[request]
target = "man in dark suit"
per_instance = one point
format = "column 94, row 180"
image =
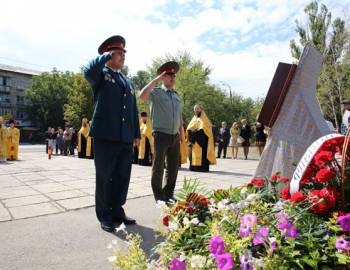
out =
column 224, row 139
column 115, row 129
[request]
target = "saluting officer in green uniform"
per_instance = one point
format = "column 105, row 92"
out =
column 166, row 111
column 115, row 129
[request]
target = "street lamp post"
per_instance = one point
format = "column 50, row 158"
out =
column 230, row 91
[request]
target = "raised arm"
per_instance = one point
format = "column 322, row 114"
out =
column 92, row 71
column 146, row 91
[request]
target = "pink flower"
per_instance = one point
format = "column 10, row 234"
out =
column 288, row 229
column 282, row 216
column 244, row 230
column 344, row 222
column 249, row 219
column 216, row 245
column 225, row 261
column 273, row 244
column 260, row 235
column 342, row 244
column 176, row 264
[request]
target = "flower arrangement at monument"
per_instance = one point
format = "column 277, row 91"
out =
column 256, row 226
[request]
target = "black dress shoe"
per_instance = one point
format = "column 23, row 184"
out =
column 107, row 226
column 126, row 220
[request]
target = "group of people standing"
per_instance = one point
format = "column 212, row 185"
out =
column 122, row 137
column 240, row 135
column 64, row 142
column 9, row 141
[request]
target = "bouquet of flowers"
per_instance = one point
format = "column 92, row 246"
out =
column 257, row 226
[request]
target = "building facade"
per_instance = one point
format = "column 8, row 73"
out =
column 13, row 82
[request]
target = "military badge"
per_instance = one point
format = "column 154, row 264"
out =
column 132, row 90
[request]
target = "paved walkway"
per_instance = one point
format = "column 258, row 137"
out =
column 35, row 186
column 39, row 230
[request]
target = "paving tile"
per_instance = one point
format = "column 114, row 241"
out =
column 4, row 214
column 80, row 184
column 90, row 191
column 33, row 210
column 52, row 187
column 76, row 203
column 65, row 194
column 14, row 192
column 25, row 200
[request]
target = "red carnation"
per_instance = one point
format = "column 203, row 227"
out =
column 166, row 221
column 323, row 200
column 256, row 182
column 285, row 194
column 275, row 177
column 284, row 179
column 297, row 197
column 324, row 175
column 323, row 158
column 201, row 200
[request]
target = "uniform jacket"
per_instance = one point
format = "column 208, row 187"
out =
column 115, row 116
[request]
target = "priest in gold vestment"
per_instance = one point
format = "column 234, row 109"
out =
column 201, row 141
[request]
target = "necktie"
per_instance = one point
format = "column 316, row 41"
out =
column 121, row 78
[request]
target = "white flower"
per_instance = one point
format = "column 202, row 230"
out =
column 182, row 257
column 121, row 227
column 221, row 205
column 153, row 265
column 160, row 204
column 112, row 259
column 194, row 221
column 186, row 221
column 251, row 197
column 173, row 226
column 244, row 190
column 278, row 206
column 197, row 261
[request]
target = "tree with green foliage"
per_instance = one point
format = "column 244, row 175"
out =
column 331, row 38
column 47, row 95
column 194, row 87
column 80, row 103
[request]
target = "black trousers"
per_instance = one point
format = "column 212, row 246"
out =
column 113, row 168
column 222, row 146
column 166, row 151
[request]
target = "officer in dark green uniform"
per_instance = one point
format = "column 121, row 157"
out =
column 115, row 129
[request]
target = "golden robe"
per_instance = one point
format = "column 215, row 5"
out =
column 183, row 147
column 13, row 135
column 198, row 123
column 146, row 132
column 84, row 141
column 3, row 142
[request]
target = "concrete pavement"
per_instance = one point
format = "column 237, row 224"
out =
column 36, row 186
column 46, row 216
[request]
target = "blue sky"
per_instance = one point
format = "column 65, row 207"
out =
column 241, row 40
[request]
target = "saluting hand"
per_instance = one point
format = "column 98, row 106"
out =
column 159, row 77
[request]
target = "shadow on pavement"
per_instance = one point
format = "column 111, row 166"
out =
column 148, row 235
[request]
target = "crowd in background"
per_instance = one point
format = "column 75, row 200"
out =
column 239, row 135
column 61, row 141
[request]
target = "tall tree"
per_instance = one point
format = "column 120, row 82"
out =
column 80, row 102
column 332, row 40
column 47, row 95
